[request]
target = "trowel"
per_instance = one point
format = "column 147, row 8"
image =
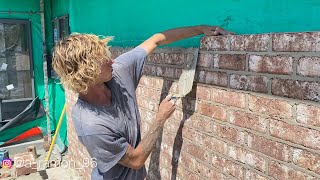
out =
column 187, row 76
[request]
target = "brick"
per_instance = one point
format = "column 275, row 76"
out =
column 205, row 60
column 24, row 163
column 296, row 89
column 249, row 83
column 170, row 86
column 213, row 78
column 227, row 167
column 307, row 160
column 212, row 111
column 252, row 175
column 196, row 151
column 200, row 123
column 155, row 58
column 178, row 73
column 203, row 92
column 146, row 81
column 296, row 42
column 208, row 172
column 271, row 107
column 151, row 94
column 229, row 98
column 174, row 58
column 268, row 147
column 235, row 62
column 166, row 72
column 150, row 70
column 249, row 121
column 158, row 83
column 295, row 134
column 228, row 133
column 248, row 158
column 308, row 114
column 187, row 160
column 214, row 43
column 309, row 66
column 213, row 144
column 258, row 42
column 283, row 172
column 271, row 64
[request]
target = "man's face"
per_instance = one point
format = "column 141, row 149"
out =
column 106, row 72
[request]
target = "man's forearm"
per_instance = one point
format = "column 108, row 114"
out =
column 177, row 34
column 147, row 144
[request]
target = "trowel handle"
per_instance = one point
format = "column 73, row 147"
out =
column 175, row 98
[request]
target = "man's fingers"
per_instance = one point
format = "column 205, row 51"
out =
column 169, row 96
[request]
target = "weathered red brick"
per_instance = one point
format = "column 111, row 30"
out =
column 208, row 172
column 146, row 81
column 252, row 175
column 155, row 58
column 24, row 163
column 212, row 111
column 228, row 133
column 196, row 151
column 249, row 121
column 307, row 160
column 271, row 64
column 227, row 167
column 269, row 147
column 270, row 106
column 213, row 144
column 150, row 70
column 205, row 60
column 201, row 123
column 170, row 86
column 309, row 66
column 291, row 42
column 166, row 71
column 304, row 90
column 283, row 172
column 295, row 134
column 174, row 58
column 249, row 83
column 213, row 78
column 230, row 61
column 247, row 157
column 203, row 92
column 258, row 42
column 214, row 43
column 178, row 73
column 229, row 98
column 308, row 114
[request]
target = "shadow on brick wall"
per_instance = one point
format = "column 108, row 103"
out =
column 188, row 111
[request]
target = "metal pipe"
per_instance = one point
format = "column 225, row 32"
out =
column 44, row 56
column 19, row 12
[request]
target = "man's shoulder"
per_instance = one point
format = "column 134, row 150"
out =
column 89, row 121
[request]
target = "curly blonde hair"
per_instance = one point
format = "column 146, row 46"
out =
column 77, row 59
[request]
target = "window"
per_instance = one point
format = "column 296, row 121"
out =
column 60, row 30
column 16, row 73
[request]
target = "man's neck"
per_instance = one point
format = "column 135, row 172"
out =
column 99, row 95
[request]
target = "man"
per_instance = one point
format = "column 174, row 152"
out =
column 106, row 115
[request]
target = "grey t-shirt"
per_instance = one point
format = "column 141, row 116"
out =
column 106, row 131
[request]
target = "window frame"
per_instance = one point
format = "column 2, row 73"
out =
column 27, row 24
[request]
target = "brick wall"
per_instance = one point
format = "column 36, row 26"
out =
column 253, row 113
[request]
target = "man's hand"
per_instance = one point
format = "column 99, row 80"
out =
column 173, row 35
column 135, row 158
column 166, row 108
column 215, row 31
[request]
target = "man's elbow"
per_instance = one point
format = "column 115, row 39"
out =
column 137, row 165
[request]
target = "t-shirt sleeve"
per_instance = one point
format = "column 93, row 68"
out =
column 131, row 64
column 107, row 149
